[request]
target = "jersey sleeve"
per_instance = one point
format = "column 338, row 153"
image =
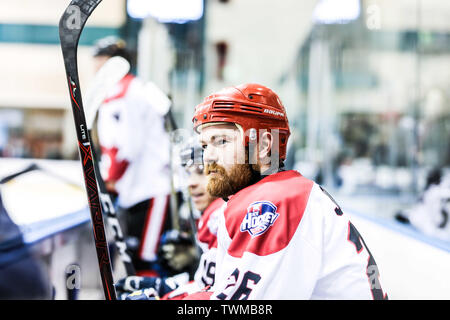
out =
column 349, row 270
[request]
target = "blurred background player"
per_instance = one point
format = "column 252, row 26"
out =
column 281, row 236
column 135, row 158
column 209, row 207
column 431, row 213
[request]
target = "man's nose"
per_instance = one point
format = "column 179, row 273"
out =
column 192, row 184
column 209, row 155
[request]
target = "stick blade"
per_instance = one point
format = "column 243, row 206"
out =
column 73, row 20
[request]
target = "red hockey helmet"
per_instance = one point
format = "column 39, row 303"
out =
column 250, row 106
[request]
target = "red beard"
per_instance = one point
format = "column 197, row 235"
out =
column 224, row 185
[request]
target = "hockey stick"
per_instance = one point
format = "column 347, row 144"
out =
column 111, row 215
column 71, row 25
column 163, row 106
column 194, row 228
column 108, row 76
column 174, row 202
column 186, row 196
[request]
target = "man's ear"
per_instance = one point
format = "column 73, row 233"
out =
column 265, row 147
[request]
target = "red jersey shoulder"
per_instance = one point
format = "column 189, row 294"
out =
column 263, row 218
column 122, row 88
column 207, row 228
column 216, row 204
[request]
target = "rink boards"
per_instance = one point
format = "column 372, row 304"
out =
column 44, row 202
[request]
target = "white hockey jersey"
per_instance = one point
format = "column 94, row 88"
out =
column 134, row 143
column 285, row 238
column 207, row 240
column 432, row 213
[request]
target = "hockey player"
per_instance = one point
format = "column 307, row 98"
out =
column 281, row 236
column 430, row 214
column 135, row 158
column 178, row 287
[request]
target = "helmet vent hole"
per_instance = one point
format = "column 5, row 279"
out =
column 251, row 108
column 223, row 105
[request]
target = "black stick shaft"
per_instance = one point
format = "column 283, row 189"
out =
column 71, row 25
column 109, row 210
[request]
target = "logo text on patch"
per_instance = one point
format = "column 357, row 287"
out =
column 260, row 216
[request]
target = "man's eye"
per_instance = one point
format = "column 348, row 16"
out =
column 199, row 169
column 221, row 141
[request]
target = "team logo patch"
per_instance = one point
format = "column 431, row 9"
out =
column 260, row 216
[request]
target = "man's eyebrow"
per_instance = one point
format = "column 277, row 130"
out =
column 218, row 136
column 214, row 137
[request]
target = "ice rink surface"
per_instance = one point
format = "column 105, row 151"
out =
column 412, row 265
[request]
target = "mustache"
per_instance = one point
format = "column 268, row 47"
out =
column 214, row 167
column 224, row 184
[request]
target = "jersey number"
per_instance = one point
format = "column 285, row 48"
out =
column 372, row 269
column 210, row 270
column 243, row 291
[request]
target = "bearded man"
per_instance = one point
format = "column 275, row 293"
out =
column 280, row 236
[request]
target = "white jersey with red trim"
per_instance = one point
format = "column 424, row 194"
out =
column 285, row 238
column 134, row 143
column 207, row 240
